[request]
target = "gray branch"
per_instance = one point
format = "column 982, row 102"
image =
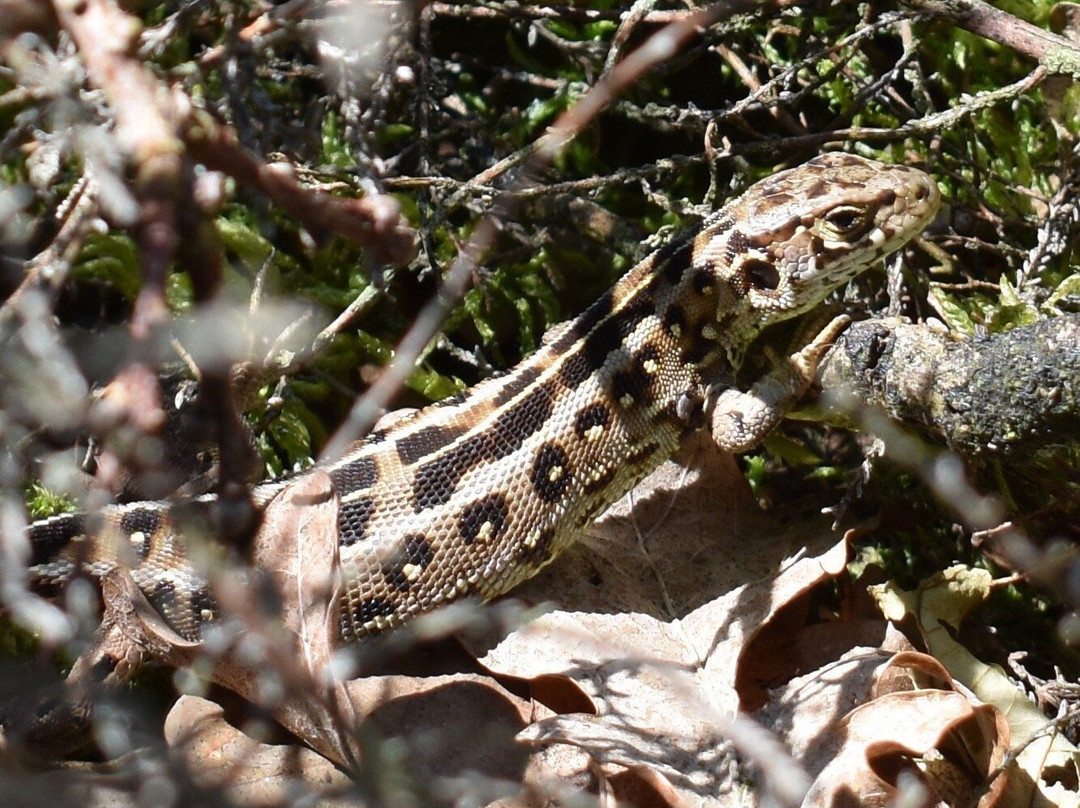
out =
column 1010, row 394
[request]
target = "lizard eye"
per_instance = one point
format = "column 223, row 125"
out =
column 846, row 221
column 761, row 275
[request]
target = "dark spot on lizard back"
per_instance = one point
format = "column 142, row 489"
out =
column 425, row 441
column 144, row 520
column 695, row 346
column 550, row 473
column 675, row 320
column 356, row 475
column 437, row 479
column 642, row 453
column 484, row 519
column 517, row 384
column 591, row 416
column 585, row 322
column 49, row 538
column 414, row 555
column 608, row 337
column 540, row 551
column 372, row 608
column 202, row 606
column 633, row 385
column 512, row 427
column 353, row 518
column 704, row 278
column 673, row 259
column 600, row 481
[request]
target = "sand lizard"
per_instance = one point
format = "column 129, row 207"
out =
column 473, row 495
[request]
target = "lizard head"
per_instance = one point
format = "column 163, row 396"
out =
column 794, row 237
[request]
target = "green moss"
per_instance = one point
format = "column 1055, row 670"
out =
column 41, row 502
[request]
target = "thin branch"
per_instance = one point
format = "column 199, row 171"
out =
column 1056, row 53
column 928, row 125
column 494, row 10
column 372, row 222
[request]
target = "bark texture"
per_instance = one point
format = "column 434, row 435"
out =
column 1011, row 394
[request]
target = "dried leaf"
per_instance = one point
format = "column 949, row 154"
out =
column 653, row 636
column 944, row 739
column 944, row 601
column 218, row 755
column 297, row 545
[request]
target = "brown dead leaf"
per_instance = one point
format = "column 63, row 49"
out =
column 940, row 604
column 656, row 610
column 220, row 756
column 807, row 711
column 297, row 545
column 454, row 734
column 785, row 648
column 907, row 718
column 941, row 738
column 640, row 785
column 911, row 670
column 465, row 723
column 454, row 737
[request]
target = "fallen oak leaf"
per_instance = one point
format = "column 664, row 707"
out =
column 1051, row 762
column 654, row 645
column 249, row 772
column 949, row 744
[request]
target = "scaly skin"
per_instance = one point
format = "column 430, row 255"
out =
column 474, row 495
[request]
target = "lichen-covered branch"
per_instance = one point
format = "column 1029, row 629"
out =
column 1010, row 394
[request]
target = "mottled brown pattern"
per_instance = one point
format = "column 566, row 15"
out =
column 474, row 495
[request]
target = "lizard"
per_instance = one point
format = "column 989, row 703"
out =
column 473, row 495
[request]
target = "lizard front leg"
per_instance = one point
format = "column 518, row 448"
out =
column 740, row 420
